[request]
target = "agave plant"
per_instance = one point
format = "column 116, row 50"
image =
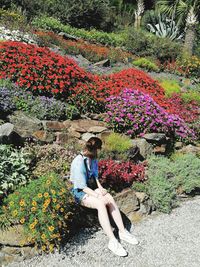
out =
column 165, row 27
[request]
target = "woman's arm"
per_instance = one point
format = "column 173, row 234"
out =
column 103, row 190
column 90, row 192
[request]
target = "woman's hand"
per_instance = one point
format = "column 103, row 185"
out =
column 103, row 191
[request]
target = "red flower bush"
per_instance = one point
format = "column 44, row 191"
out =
column 46, row 73
column 92, row 52
column 117, row 176
column 102, row 87
column 38, row 69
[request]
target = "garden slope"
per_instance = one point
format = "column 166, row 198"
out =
column 165, row 240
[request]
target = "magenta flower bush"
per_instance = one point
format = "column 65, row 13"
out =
column 136, row 113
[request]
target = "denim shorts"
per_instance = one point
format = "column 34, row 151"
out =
column 78, row 195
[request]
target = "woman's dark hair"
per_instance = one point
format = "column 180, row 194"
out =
column 91, row 146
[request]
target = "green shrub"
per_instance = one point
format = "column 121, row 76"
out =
column 145, row 44
column 49, row 23
column 83, row 14
column 170, row 87
column 186, row 171
column 191, row 95
column 52, row 158
column 159, row 186
column 167, row 176
column 146, row 64
column 12, row 18
column 117, row 143
column 44, row 208
column 14, row 168
column 116, row 147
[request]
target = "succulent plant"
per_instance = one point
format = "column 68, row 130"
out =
column 166, row 27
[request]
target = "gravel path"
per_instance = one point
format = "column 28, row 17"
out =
column 165, row 241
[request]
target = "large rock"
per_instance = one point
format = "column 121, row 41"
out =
column 86, row 124
column 102, row 63
column 54, row 126
column 127, row 202
column 8, row 135
column 145, row 148
column 190, row 149
column 16, row 254
column 25, row 125
column 155, row 137
column 14, row 236
column 67, row 36
column 87, row 136
column 44, row 136
column 97, row 129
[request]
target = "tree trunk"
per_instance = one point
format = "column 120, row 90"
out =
column 189, row 40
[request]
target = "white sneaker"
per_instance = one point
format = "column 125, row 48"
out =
column 117, row 248
column 128, row 237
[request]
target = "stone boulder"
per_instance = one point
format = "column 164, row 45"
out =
column 67, row 36
column 155, row 137
column 25, row 125
column 8, row 135
column 190, row 149
column 127, row 202
column 144, row 147
column 14, row 236
column 102, row 63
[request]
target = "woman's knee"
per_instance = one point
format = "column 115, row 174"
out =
column 100, row 204
column 109, row 198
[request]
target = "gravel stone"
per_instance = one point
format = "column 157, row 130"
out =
column 166, row 240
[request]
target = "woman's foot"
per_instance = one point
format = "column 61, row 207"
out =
column 116, row 248
column 128, row 237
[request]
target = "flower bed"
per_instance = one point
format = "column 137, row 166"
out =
column 137, row 113
column 92, row 52
column 43, row 207
column 116, row 176
column 38, row 69
column 16, row 35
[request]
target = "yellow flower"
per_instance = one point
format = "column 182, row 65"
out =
column 43, row 247
column 15, row 212
column 22, row 220
column 48, row 182
column 47, row 201
column 44, row 210
column 43, row 236
column 51, row 247
column 66, row 216
column 63, row 190
column 11, row 203
column 32, row 226
column 53, row 215
column 35, row 221
column 51, row 228
column 33, row 209
column 39, row 195
column 54, row 200
column 57, row 206
column 53, row 192
column 22, row 203
column 34, row 203
column 46, row 194
column 61, row 209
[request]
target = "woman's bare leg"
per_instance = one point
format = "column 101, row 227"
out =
column 113, row 210
column 95, row 203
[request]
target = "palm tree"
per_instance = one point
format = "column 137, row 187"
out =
column 187, row 13
column 138, row 13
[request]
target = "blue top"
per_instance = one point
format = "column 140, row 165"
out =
column 78, row 173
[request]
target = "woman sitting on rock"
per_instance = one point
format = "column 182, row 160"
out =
column 89, row 193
